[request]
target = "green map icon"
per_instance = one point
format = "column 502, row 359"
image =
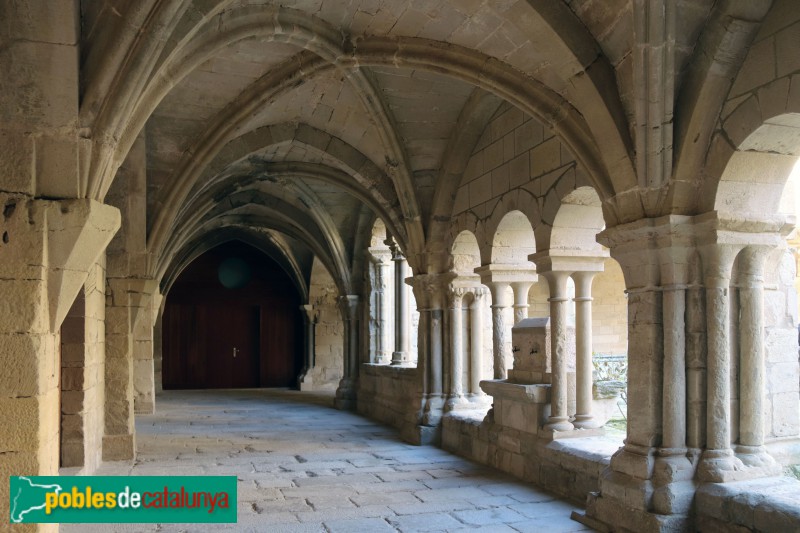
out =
column 28, row 498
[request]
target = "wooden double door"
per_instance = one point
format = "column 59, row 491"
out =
column 227, row 345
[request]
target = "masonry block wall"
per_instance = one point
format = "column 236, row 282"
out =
column 780, row 347
column 329, row 334
column 82, row 376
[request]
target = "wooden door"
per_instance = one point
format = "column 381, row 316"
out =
column 231, row 347
column 199, row 344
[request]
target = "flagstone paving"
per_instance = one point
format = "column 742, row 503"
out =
column 304, row 466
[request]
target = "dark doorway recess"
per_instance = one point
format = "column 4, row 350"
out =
column 243, row 333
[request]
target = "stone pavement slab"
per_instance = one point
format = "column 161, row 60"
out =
column 306, row 467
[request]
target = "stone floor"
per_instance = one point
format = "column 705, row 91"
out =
column 304, row 466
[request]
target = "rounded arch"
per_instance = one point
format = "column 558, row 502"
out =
column 513, row 240
column 577, row 222
column 606, row 157
column 378, row 234
column 755, row 177
column 265, row 242
column 360, row 178
column 465, row 253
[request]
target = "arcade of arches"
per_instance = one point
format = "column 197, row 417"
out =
column 443, row 211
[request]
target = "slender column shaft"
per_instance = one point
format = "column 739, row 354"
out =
column 696, row 367
column 457, row 350
column 384, row 313
column 436, row 351
column 559, row 418
column 674, row 404
column 751, row 328
column 476, row 343
column 719, row 394
column 583, row 348
column 400, row 355
column 501, row 331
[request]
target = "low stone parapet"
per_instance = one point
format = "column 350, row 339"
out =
column 391, row 394
column 761, row 505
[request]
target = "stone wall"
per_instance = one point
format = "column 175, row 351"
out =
column 781, row 349
column 515, row 151
column 329, row 333
column 569, row 468
column 391, row 394
column 82, row 376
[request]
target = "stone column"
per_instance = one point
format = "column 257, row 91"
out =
column 583, row 350
column 717, row 458
column 127, row 304
column 501, row 330
column 476, row 341
column 521, row 289
column 158, row 351
column 429, row 293
column 47, row 249
column 455, row 395
column 750, row 448
column 381, row 258
column 559, row 418
column 346, row 393
column 401, row 309
column 309, row 346
column 144, row 387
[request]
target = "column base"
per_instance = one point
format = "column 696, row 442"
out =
column 479, row 400
column 673, row 475
column 574, row 433
column 345, row 395
column 119, row 447
column 433, row 411
column 558, row 423
column 611, row 514
column 429, row 435
column 456, row 402
column 586, row 422
column 750, row 462
column 144, row 407
column 400, row 358
column 757, row 457
column 719, row 466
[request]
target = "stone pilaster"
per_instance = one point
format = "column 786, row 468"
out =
column 429, row 292
column 46, row 251
column 346, row 392
column 128, row 316
column 310, row 318
column 679, row 277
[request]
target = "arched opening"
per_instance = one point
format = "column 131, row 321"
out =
column 232, row 320
column 756, row 202
column 595, row 282
column 513, row 240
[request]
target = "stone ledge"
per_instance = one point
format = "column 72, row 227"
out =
column 768, row 504
column 538, row 393
column 402, row 371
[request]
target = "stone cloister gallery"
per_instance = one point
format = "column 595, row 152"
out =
column 446, row 211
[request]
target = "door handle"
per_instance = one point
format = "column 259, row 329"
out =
column 235, row 351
